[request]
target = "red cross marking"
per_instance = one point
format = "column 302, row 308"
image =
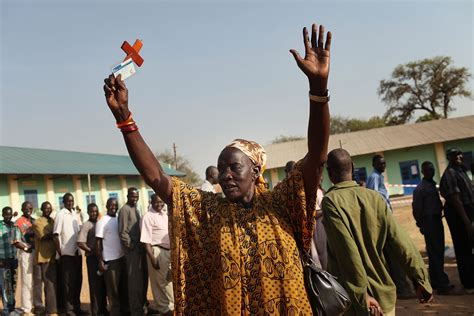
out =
column 132, row 51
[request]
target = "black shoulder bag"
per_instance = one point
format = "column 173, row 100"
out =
column 326, row 296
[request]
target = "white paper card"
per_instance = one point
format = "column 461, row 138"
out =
column 126, row 69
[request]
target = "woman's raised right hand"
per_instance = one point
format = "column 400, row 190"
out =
column 116, row 95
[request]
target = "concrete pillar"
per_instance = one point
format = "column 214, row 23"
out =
column 79, row 198
column 123, row 184
column 143, row 196
column 14, row 195
column 440, row 157
column 274, row 177
column 49, row 184
column 103, row 194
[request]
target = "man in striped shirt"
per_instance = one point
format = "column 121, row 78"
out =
column 8, row 260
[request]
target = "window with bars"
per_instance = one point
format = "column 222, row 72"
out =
column 32, row 197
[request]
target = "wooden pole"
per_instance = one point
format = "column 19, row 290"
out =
column 89, row 187
column 175, row 159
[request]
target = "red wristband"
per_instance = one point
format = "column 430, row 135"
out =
column 129, row 128
column 128, row 121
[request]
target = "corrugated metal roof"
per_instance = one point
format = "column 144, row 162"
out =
column 17, row 160
column 379, row 139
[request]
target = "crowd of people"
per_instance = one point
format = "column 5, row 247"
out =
column 121, row 251
column 237, row 252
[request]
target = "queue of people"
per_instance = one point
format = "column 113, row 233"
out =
column 48, row 252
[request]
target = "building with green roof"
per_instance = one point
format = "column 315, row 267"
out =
column 404, row 147
column 38, row 175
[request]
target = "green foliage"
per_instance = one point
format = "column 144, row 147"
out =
column 427, row 85
column 340, row 124
column 284, row 139
column 181, row 164
column 425, row 118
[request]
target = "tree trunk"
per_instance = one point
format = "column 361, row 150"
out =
column 445, row 105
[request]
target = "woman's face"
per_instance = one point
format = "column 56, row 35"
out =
column 237, row 175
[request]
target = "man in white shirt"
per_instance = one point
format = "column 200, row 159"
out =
column 211, row 179
column 66, row 230
column 111, row 259
column 157, row 245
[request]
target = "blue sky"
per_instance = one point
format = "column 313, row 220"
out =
column 213, row 71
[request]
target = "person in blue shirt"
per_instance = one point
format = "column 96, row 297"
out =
column 375, row 181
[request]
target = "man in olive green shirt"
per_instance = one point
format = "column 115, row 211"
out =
column 360, row 230
column 46, row 256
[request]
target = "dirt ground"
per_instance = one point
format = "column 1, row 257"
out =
column 442, row 305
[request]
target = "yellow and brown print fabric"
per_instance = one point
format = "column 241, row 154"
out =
column 229, row 260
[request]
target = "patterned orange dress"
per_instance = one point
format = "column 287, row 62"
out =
column 228, row 260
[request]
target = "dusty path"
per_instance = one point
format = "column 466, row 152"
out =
column 442, row 305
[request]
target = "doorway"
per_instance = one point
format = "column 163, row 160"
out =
column 410, row 173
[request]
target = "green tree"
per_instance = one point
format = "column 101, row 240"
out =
column 181, row 164
column 341, row 124
column 284, row 139
column 427, row 85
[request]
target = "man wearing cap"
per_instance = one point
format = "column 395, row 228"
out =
column 456, row 188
